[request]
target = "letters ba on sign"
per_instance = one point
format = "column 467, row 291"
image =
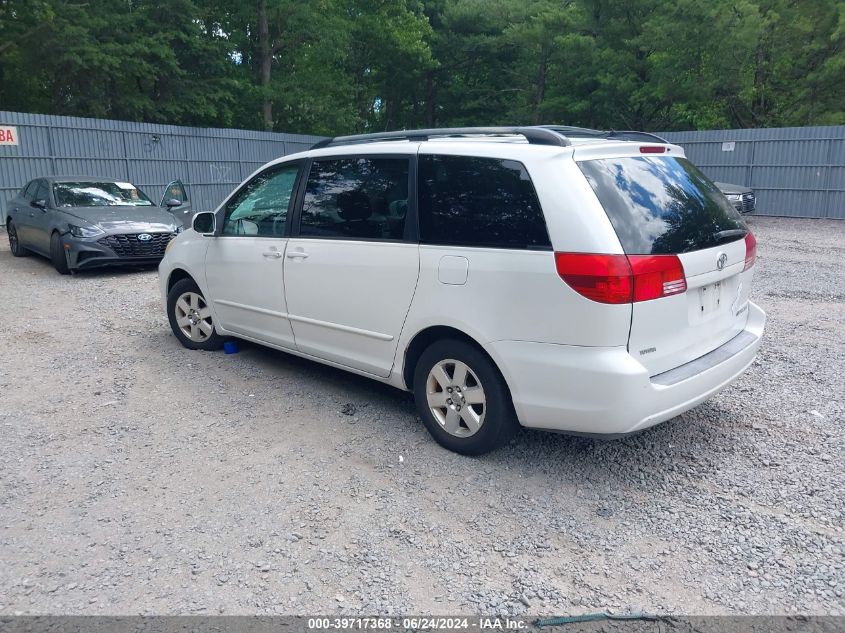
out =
column 8, row 135
column 728, row 146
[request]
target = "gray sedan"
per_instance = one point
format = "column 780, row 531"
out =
column 81, row 222
column 740, row 196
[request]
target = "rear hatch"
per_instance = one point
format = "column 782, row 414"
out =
column 664, row 207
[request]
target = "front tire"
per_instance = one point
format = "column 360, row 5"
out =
column 57, row 254
column 462, row 398
column 14, row 242
column 190, row 317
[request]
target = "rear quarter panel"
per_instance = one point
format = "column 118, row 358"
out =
column 514, row 294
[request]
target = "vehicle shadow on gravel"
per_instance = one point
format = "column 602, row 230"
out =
column 681, row 439
column 359, row 388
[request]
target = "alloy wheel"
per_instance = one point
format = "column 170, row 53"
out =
column 456, row 398
column 193, row 316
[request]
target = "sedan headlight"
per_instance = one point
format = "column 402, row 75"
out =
column 84, row 231
column 734, row 197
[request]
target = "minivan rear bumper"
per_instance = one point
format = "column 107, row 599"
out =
column 606, row 391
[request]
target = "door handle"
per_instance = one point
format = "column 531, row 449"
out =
column 297, row 255
column 272, row 254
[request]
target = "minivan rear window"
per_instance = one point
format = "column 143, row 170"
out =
column 662, row 205
column 475, row 201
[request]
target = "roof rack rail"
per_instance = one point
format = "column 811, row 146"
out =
column 536, row 135
column 622, row 135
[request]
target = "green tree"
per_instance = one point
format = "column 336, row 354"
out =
column 794, row 75
column 340, row 66
column 105, row 58
column 388, row 57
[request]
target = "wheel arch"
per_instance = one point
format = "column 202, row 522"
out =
column 176, row 275
column 431, row 334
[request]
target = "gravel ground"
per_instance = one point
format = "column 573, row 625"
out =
column 140, row 477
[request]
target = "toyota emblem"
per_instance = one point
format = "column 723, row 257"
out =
column 723, row 259
column 146, row 237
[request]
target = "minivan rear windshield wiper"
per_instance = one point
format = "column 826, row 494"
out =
column 721, row 236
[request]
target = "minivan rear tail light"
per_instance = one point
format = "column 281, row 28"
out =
column 621, row 278
column 602, row 278
column 657, row 276
column 652, row 149
column 750, row 250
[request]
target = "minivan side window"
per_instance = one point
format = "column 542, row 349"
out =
column 260, row 209
column 472, row 201
column 356, row 198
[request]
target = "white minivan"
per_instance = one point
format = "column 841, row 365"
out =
column 555, row 278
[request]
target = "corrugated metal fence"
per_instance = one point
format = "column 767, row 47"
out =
column 795, row 171
column 209, row 161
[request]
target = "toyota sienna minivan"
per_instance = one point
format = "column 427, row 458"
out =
column 550, row 277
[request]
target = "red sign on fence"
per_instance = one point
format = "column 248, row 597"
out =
column 8, row 135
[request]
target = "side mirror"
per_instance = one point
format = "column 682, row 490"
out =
column 173, row 202
column 205, row 223
column 39, row 204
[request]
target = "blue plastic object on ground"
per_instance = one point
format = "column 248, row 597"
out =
column 230, row 347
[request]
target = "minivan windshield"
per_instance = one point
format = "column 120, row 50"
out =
column 99, row 194
column 662, row 205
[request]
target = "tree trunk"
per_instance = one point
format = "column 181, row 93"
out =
column 540, row 91
column 389, row 113
column 763, row 71
column 265, row 60
column 430, row 97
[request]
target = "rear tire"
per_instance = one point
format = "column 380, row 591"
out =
column 57, row 254
column 190, row 317
column 463, row 399
column 14, row 242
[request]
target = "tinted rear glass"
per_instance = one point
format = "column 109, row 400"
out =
column 471, row 201
column 661, row 205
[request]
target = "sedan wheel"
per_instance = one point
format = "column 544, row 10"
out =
column 57, row 254
column 14, row 242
